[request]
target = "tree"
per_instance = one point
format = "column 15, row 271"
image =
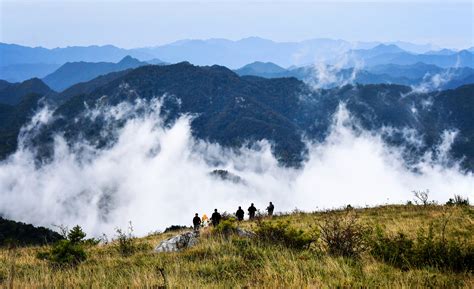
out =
column 76, row 235
column 422, row 196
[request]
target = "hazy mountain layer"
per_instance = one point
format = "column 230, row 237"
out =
column 235, row 111
column 235, row 54
column 75, row 72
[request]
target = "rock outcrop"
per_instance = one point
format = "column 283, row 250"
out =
column 178, row 242
column 244, row 233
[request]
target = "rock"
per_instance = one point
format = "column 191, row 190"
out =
column 244, row 233
column 178, row 242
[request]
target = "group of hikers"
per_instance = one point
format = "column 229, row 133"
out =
column 216, row 216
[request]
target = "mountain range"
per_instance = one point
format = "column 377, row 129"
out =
column 417, row 74
column 420, row 74
column 19, row 63
column 235, row 110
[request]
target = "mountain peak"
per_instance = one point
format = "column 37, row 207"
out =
column 12, row 93
column 254, row 39
column 260, row 68
column 127, row 60
column 388, row 48
column 35, row 84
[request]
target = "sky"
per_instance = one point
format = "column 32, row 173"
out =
column 128, row 23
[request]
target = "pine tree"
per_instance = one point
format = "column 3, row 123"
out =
column 76, row 235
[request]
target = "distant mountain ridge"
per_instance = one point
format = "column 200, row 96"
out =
column 23, row 71
column 413, row 74
column 15, row 54
column 74, row 72
column 235, row 54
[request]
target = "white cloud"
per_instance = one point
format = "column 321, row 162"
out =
column 156, row 176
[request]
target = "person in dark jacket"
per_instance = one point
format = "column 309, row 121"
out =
column 216, row 218
column 240, row 214
column 270, row 209
column 196, row 222
column 252, row 211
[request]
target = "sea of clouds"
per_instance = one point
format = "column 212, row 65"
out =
column 155, row 175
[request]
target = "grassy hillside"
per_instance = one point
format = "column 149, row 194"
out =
column 228, row 261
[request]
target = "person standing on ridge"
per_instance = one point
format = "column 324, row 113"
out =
column 204, row 220
column 240, row 214
column 252, row 211
column 270, row 209
column 216, row 218
column 196, row 222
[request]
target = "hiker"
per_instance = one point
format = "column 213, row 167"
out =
column 252, row 211
column 270, row 209
column 216, row 218
column 204, row 220
column 196, row 222
column 240, row 214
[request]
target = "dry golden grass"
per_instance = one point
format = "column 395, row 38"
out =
column 218, row 262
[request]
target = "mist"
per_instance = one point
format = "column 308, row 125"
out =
column 155, row 175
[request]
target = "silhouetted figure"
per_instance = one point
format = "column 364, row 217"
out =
column 196, row 222
column 216, row 218
column 240, row 214
column 252, row 211
column 270, row 209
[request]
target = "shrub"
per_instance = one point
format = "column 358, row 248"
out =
column 343, row 235
column 226, row 227
column 458, row 201
column 427, row 250
column 436, row 251
column 226, row 216
column 64, row 253
column 278, row 232
column 396, row 250
column 125, row 241
column 422, row 197
column 174, row 228
column 67, row 252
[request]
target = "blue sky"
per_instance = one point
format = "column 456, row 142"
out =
column 128, row 23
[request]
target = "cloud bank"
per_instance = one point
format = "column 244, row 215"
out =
column 156, row 176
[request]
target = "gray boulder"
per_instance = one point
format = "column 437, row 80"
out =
column 178, row 242
column 244, row 233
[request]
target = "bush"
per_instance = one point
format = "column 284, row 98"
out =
column 427, row 250
column 343, row 236
column 226, row 227
column 174, row 228
column 67, row 252
column 278, row 232
column 226, row 216
column 422, row 197
column 125, row 241
column 64, row 253
column 396, row 250
column 458, row 201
